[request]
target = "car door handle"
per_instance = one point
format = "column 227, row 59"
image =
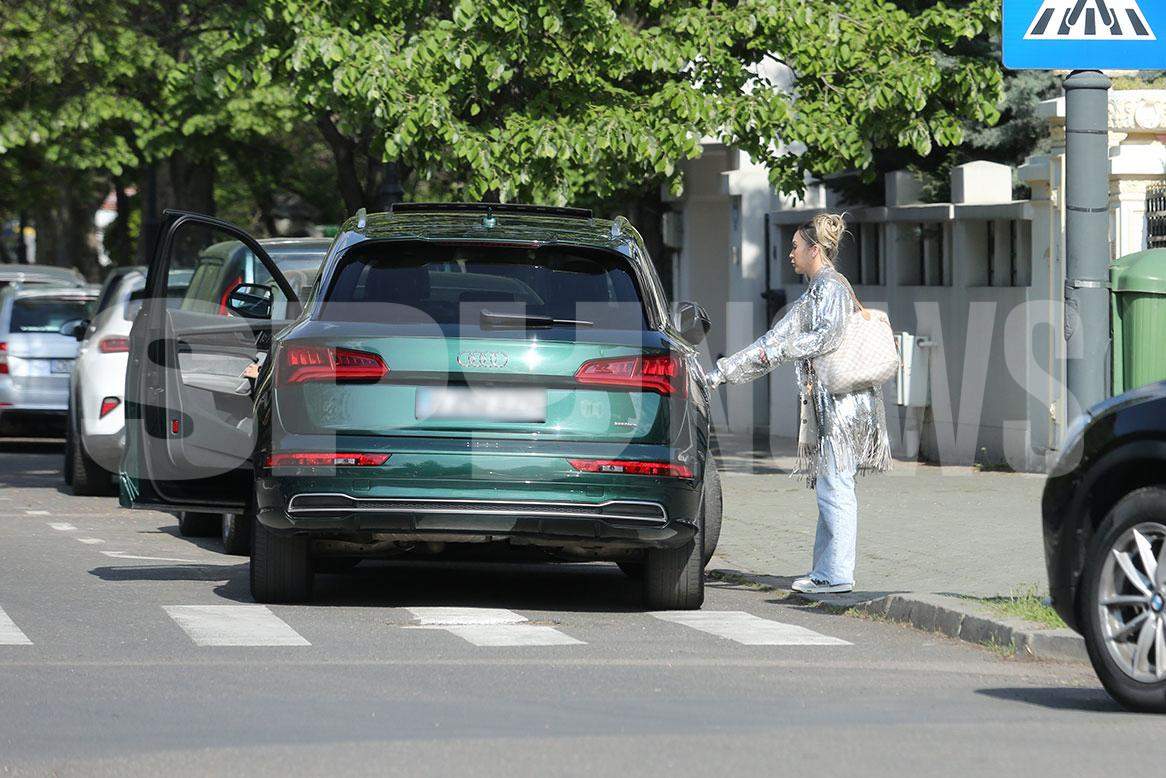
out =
column 182, row 347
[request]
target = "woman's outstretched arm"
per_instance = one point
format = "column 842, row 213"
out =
column 812, row 326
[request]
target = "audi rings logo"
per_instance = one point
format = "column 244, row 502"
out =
column 494, row 360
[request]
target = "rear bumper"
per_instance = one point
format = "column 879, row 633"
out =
column 35, row 394
column 580, row 514
column 105, row 450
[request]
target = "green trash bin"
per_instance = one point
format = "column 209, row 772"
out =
column 1138, row 284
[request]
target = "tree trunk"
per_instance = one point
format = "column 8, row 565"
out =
column 67, row 237
column 180, row 182
column 646, row 213
column 22, row 242
column 344, row 154
column 187, row 184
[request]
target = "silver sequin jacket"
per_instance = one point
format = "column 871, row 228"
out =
column 850, row 429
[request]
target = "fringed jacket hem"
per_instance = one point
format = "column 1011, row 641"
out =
column 845, row 432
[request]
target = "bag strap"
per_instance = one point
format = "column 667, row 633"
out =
column 850, row 289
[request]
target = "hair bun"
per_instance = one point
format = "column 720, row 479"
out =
column 829, row 229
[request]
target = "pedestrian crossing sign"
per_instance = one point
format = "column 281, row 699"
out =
column 1085, row 34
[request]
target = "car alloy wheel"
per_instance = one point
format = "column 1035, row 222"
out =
column 1131, row 602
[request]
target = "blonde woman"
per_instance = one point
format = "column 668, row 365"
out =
column 840, row 435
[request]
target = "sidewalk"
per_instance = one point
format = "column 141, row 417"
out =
column 921, row 528
column 929, row 538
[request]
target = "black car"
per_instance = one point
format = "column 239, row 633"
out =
column 1104, row 517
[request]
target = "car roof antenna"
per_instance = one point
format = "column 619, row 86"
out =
column 489, row 220
column 361, row 219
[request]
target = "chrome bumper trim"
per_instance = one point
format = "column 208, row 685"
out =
column 614, row 511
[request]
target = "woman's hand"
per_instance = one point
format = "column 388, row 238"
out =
column 714, row 378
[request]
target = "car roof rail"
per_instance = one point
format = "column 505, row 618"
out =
column 622, row 228
column 497, row 208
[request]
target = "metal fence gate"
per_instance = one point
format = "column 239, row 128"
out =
column 1156, row 217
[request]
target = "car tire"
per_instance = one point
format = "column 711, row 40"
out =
column 87, row 478
column 713, row 506
column 235, row 529
column 1142, row 511
column 674, row 577
column 198, row 525
column 281, row 566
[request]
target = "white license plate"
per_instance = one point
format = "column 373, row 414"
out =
column 61, row 366
column 473, row 404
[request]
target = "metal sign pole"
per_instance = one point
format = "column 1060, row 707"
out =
column 1086, row 238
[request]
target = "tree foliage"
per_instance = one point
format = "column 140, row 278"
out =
column 539, row 100
column 553, row 100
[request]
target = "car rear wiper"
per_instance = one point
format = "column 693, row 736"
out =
column 490, row 319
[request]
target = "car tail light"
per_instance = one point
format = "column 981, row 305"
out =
column 663, row 373
column 115, row 344
column 223, row 310
column 302, row 364
column 3, row 359
column 631, row 467
column 316, row 459
column 107, row 406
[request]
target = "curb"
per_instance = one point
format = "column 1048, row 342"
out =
column 955, row 617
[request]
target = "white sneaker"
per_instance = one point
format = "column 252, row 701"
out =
column 809, row 585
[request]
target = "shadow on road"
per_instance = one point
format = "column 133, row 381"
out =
column 210, row 543
column 235, row 588
column 1058, row 698
column 33, row 461
column 568, row 588
column 827, row 603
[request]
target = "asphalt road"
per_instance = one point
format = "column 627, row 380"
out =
column 126, row 649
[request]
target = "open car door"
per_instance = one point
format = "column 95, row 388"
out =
column 190, row 421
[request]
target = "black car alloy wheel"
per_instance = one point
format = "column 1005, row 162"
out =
column 1124, row 601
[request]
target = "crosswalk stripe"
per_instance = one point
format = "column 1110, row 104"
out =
column 512, row 635
column 444, row 617
column 10, row 634
column 491, row 627
column 234, row 625
column 749, row 630
column 202, row 562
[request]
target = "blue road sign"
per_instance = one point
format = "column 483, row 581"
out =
column 1085, row 34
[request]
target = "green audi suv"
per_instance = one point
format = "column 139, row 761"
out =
column 460, row 377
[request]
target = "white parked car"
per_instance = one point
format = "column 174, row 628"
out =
column 47, row 275
column 95, row 433
column 38, row 345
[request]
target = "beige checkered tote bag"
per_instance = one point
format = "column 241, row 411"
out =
column 867, row 357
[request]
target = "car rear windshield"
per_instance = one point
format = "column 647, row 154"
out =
column 450, row 285
column 45, row 315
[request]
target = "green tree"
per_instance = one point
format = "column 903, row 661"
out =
column 118, row 94
column 542, row 100
column 558, row 100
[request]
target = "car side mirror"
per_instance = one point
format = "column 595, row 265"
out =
column 692, row 322
column 251, row 301
column 75, row 328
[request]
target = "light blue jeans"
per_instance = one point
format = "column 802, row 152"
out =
column 835, row 541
